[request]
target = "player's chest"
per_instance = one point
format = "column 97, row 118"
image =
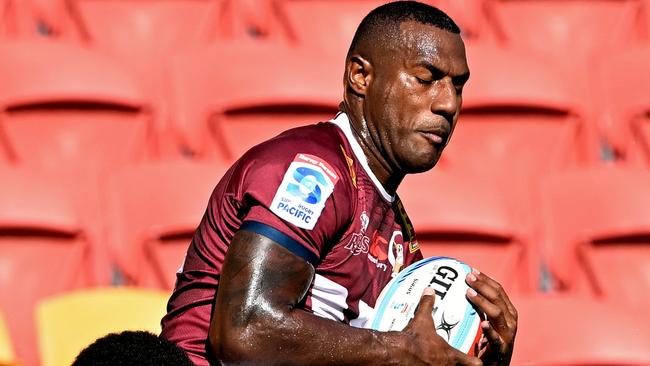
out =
column 376, row 246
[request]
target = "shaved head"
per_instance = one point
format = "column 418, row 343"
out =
column 404, row 76
column 381, row 28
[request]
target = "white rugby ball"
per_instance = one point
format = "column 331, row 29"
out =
column 455, row 318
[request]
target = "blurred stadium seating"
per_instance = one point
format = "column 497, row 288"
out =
column 7, row 19
column 66, row 107
column 39, row 19
column 579, row 331
column 520, row 119
column 620, row 105
column 330, row 24
column 571, row 29
column 148, row 32
column 167, row 23
column 223, row 114
column 544, row 184
column 597, row 232
column 45, row 249
column 69, row 322
column 148, row 236
column 144, row 23
column 334, row 25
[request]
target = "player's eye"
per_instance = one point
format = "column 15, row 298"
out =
column 424, row 81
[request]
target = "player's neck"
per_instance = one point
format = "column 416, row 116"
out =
column 389, row 177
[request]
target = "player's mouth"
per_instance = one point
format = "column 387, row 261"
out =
column 435, row 136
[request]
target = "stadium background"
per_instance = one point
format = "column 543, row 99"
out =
column 117, row 117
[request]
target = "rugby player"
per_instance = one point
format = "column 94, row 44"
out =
column 304, row 231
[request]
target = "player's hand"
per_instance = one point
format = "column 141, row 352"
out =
column 500, row 328
column 424, row 345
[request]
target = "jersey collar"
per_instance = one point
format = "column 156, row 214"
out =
column 341, row 120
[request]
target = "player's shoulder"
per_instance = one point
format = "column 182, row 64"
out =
column 322, row 140
column 297, row 171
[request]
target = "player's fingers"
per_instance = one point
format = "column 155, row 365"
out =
column 486, row 286
column 511, row 307
column 502, row 293
column 490, row 290
column 425, row 307
column 500, row 343
column 482, row 343
column 493, row 337
column 482, row 276
column 514, row 315
column 494, row 313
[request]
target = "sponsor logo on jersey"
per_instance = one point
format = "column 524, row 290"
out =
column 379, row 246
column 383, row 253
column 364, row 221
column 396, row 259
column 414, row 246
column 306, row 185
column 358, row 244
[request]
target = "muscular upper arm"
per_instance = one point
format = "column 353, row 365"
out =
column 260, row 283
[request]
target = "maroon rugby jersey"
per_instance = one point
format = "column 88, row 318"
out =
column 309, row 189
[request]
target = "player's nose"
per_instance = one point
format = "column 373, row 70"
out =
column 446, row 100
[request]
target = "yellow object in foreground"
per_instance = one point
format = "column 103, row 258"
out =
column 70, row 322
column 7, row 356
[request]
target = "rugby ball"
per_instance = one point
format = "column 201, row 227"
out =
column 455, row 318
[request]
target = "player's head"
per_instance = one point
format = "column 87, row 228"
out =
column 131, row 348
column 405, row 71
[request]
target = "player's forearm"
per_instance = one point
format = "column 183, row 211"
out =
column 300, row 338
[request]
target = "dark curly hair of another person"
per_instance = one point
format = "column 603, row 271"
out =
column 131, row 348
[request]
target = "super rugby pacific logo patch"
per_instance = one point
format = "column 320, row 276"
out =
column 306, row 185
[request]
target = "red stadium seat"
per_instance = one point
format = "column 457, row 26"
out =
column 331, row 24
column 597, row 232
column 64, row 107
column 7, row 19
column 621, row 104
column 256, row 19
column 156, row 25
column 326, row 24
column 154, row 210
column 470, row 16
column 226, row 100
column 38, row 19
column 570, row 29
column 48, row 19
column 142, row 35
column 165, row 25
column 570, row 331
column 519, row 120
column 44, row 250
column 474, row 220
column 149, row 32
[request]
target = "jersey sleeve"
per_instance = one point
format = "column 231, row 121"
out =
column 303, row 201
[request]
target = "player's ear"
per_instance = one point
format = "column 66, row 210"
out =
column 358, row 74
